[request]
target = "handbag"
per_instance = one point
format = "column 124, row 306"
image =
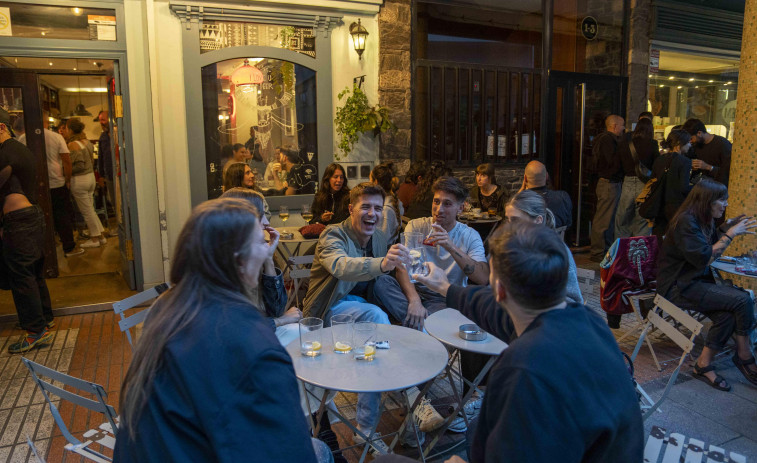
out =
column 642, row 172
column 652, row 197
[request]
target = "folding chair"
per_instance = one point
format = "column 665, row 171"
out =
column 104, row 435
column 678, row 450
column 668, row 325
column 635, row 302
column 561, row 231
column 127, row 323
column 299, row 270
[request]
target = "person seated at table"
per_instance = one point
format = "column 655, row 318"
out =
column 562, row 379
column 693, row 242
column 238, row 154
column 208, row 373
column 349, row 270
column 239, row 175
column 407, row 189
column 535, row 179
column 424, row 195
column 302, row 178
column 383, row 176
column 274, row 175
column 486, row 194
column 331, row 203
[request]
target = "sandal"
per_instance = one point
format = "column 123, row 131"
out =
column 750, row 375
column 699, row 374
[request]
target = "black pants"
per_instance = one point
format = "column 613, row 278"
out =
column 63, row 213
column 23, row 261
column 731, row 309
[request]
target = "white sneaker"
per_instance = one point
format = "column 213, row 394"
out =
column 90, row 244
column 378, row 446
column 425, row 414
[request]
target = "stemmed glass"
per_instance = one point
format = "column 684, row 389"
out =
column 306, row 213
column 284, row 213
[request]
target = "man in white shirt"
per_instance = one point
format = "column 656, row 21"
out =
column 59, row 176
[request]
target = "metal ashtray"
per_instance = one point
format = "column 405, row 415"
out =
column 472, row 332
column 286, row 236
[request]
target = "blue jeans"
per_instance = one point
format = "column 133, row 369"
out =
column 628, row 222
column 363, row 311
column 387, row 291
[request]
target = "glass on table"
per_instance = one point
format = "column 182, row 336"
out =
column 306, row 213
column 341, row 333
column 311, row 331
column 492, row 211
column 417, row 263
column 365, row 340
column 284, row 213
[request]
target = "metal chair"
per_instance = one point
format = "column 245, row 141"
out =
column 675, row 445
column 666, row 317
column 561, row 231
column 104, row 435
column 299, row 269
column 127, row 323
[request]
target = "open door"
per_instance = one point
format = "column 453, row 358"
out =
column 19, row 95
column 120, row 177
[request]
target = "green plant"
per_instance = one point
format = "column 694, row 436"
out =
column 358, row 116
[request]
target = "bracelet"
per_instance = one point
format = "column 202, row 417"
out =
column 728, row 236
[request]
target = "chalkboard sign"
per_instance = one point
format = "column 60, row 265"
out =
column 589, row 28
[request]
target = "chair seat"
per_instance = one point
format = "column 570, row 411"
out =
column 661, row 448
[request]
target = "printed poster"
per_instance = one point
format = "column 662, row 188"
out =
column 5, row 21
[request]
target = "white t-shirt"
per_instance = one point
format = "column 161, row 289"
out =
column 55, row 145
column 464, row 237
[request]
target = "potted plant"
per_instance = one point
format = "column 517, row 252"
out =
column 357, row 116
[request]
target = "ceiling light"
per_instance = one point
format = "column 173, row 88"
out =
column 697, row 86
column 76, row 11
column 728, row 83
column 74, row 69
column 679, row 87
column 50, row 63
column 691, row 79
column 671, row 78
column 661, row 86
column 710, row 81
column 650, row 76
column 44, row 34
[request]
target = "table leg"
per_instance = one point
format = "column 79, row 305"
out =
column 409, row 418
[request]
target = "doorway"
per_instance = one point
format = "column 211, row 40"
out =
column 42, row 94
column 578, row 105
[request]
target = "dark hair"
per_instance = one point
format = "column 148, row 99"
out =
column 488, row 170
column 676, row 138
column 453, row 186
column 75, row 125
column 531, row 262
column 251, row 196
column 533, row 205
column 645, row 114
column 206, row 258
column 382, row 174
column 424, row 193
column 227, row 152
column 366, row 189
column 644, row 130
column 292, row 154
column 693, row 126
column 234, row 176
column 237, row 147
column 417, row 169
column 325, row 188
column 699, row 204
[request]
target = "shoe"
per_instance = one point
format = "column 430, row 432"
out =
column 426, row 416
column 30, row 341
column 103, row 240
column 699, row 374
column 742, row 366
column 378, row 447
column 83, row 236
column 458, row 425
column 473, row 406
column 91, row 244
column 74, row 252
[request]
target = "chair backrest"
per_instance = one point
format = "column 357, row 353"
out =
column 299, row 270
column 561, row 231
column 126, row 323
column 99, row 405
column 585, row 276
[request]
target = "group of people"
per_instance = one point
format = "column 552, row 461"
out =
column 227, row 300
column 71, row 173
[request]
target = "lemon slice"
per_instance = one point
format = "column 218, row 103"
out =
column 342, row 347
column 415, row 254
column 369, row 351
column 315, row 345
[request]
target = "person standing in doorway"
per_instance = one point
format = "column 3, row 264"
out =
column 105, row 159
column 608, row 187
column 23, row 240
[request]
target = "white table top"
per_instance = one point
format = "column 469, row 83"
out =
column 729, row 268
column 445, row 326
column 414, row 358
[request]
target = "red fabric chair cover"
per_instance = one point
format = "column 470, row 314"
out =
column 630, row 267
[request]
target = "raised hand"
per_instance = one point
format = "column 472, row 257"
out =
column 396, row 256
column 436, row 280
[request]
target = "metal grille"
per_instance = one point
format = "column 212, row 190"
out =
column 467, row 115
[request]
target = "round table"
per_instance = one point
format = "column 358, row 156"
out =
column 729, row 267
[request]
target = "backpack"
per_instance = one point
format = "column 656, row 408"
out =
column 652, row 196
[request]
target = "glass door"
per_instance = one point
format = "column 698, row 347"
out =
column 579, row 104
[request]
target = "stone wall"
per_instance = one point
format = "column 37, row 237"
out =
column 395, row 75
column 638, row 59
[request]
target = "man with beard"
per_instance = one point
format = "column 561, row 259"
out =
column 711, row 153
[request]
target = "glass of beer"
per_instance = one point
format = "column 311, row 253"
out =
column 284, row 213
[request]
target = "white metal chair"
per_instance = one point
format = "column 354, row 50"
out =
column 127, row 323
column 104, row 435
column 299, row 269
column 561, row 231
column 635, row 301
column 666, row 316
column 677, row 449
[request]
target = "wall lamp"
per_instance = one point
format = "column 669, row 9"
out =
column 359, row 34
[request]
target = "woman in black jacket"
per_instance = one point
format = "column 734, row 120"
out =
column 331, row 203
column 677, row 181
column 691, row 244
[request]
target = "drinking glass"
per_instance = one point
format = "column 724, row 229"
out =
column 492, row 211
column 306, row 213
column 341, row 333
column 417, row 264
column 284, row 213
column 365, row 340
column 311, row 330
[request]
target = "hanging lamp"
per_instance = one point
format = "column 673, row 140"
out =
column 247, row 75
column 80, row 109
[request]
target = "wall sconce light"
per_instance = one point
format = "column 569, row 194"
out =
column 359, row 34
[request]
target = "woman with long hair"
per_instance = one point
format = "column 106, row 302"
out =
column 691, row 244
column 486, row 194
column 420, row 206
column 208, row 375
column 383, row 175
column 407, row 190
column 529, row 205
column 628, row 222
column 331, row 202
column 678, row 177
column 83, row 180
column 240, row 175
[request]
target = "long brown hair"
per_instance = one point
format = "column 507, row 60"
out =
column 205, row 262
column 234, row 176
column 699, row 204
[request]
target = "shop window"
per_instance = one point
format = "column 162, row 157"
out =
column 57, row 22
column 215, row 35
column 262, row 104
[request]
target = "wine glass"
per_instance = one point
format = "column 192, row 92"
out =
column 284, row 213
column 306, row 213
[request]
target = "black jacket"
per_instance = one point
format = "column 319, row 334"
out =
column 338, row 203
column 605, row 151
column 677, row 184
column 685, row 255
column 559, row 203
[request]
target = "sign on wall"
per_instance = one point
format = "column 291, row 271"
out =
column 654, row 61
column 589, row 28
column 5, row 22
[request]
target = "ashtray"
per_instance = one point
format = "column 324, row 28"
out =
column 472, row 332
column 286, row 236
